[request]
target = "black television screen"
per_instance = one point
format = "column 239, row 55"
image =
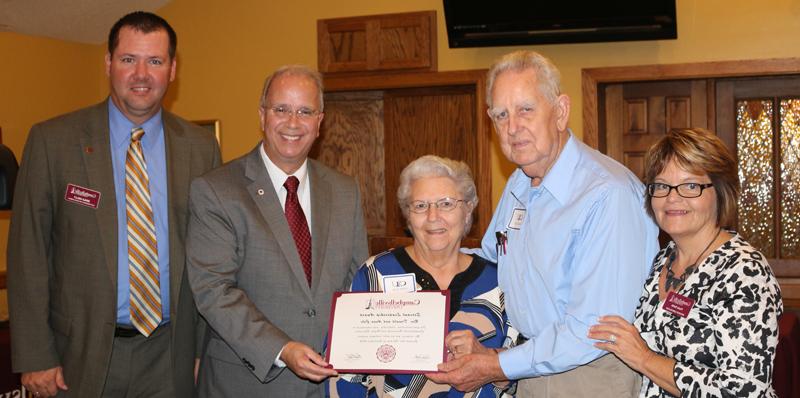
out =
column 501, row 23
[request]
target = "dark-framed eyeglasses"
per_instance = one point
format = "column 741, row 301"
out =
column 686, row 190
column 443, row 204
column 285, row 112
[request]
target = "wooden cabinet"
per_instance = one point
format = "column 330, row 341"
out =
column 377, row 43
column 375, row 125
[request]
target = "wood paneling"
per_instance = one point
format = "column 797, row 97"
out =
column 591, row 78
column 678, row 113
column 426, row 121
column 441, row 113
column 636, row 116
column 384, row 42
column 647, row 110
column 351, row 140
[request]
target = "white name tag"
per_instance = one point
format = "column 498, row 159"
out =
column 402, row 283
column 517, row 217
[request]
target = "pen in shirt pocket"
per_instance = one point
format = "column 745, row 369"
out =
column 502, row 240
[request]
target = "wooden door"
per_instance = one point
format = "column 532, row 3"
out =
column 637, row 114
column 375, row 125
column 758, row 118
column 424, row 121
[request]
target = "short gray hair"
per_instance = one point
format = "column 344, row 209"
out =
column 431, row 166
column 300, row 70
column 547, row 75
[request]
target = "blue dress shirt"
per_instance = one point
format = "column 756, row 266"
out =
column 582, row 250
column 155, row 156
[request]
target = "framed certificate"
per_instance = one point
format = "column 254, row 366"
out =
column 381, row 333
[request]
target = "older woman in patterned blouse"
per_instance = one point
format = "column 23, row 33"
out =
column 437, row 197
column 707, row 321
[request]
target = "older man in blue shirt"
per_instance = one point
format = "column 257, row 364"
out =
column 572, row 241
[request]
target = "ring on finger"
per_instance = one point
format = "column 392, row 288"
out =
column 613, row 338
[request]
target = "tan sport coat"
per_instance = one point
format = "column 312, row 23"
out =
column 62, row 256
column 248, row 280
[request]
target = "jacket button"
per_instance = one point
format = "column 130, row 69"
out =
column 311, row 313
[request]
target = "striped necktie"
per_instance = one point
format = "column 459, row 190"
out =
column 145, row 293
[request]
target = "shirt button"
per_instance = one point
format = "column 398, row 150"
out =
column 311, row 313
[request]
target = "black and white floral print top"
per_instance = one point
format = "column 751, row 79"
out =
column 726, row 345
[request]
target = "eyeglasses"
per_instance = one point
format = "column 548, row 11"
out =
column 443, row 204
column 686, row 190
column 285, row 112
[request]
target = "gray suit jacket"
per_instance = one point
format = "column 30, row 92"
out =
column 62, row 256
column 248, row 280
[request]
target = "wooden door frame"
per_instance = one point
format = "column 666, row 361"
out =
column 592, row 78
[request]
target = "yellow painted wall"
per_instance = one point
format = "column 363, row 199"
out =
column 41, row 78
column 227, row 48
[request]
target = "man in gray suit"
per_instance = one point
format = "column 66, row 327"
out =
column 263, row 286
column 69, row 271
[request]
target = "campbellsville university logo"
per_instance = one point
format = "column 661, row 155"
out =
column 386, row 353
column 82, row 196
column 382, row 304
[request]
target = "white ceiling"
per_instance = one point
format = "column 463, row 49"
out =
column 84, row 21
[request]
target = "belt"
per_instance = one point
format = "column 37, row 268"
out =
column 130, row 331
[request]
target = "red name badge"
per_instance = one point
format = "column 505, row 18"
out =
column 678, row 305
column 82, row 196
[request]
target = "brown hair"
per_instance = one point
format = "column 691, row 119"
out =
column 145, row 22
column 698, row 151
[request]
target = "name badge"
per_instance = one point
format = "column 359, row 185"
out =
column 82, row 196
column 402, row 283
column 678, row 305
column 517, row 217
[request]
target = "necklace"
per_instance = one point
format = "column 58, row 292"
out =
column 676, row 282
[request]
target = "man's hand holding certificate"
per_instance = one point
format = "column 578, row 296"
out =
column 377, row 333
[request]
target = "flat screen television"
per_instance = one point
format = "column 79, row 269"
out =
column 507, row 23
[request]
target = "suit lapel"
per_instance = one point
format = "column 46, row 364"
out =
column 263, row 194
column 178, row 153
column 96, row 154
column 320, row 220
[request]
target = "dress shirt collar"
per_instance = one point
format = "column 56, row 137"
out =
column 558, row 180
column 279, row 177
column 121, row 127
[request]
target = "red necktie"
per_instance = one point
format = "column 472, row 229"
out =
column 298, row 225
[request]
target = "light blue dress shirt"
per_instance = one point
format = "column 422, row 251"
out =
column 583, row 250
column 155, row 156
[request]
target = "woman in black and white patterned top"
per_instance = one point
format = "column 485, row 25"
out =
column 707, row 321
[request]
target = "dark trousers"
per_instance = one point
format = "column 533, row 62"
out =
column 141, row 366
